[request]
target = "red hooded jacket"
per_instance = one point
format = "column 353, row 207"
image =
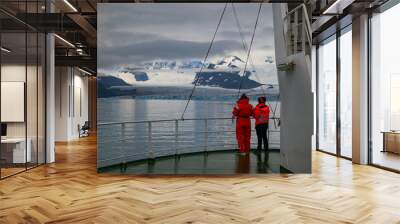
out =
column 261, row 113
column 243, row 109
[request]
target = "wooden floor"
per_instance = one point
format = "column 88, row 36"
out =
column 387, row 159
column 5, row 172
column 70, row 191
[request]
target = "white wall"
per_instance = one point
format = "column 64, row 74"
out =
column 14, row 73
column 13, row 100
column 71, row 102
column 17, row 73
column 80, row 111
column 33, row 125
column 62, row 82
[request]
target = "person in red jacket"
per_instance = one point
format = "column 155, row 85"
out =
column 261, row 114
column 243, row 111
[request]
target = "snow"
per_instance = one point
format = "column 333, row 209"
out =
column 161, row 77
column 173, row 73
column 230, row 63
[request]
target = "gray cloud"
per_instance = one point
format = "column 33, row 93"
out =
column 137, row 53
column 129, row 34
column 126, row 38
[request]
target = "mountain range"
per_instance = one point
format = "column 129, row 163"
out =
column 172, row 77
column 224, row 73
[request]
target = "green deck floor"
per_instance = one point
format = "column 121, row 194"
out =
column 216, row 162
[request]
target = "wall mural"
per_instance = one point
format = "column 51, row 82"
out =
column 169, row 78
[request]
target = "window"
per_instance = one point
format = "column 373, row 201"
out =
column 346, row 93
column 327, row 96
column 335, row 74
column 22, row 77
column 385, row 89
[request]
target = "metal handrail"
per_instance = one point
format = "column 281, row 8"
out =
column 171, row 120
column 171, row 135
column 122, row 153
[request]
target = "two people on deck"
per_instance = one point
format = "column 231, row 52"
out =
column 243, row 111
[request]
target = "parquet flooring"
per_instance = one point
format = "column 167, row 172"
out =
column 71, row 191
column 8, row 171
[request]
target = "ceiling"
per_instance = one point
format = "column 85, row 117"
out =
column 74, row 22
column 338, row 14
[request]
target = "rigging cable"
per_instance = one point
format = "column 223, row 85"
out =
column 244, row 45
column 251, row 63
column 204, row 61
column 249, row 50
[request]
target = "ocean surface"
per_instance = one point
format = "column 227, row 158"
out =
column 125, row 132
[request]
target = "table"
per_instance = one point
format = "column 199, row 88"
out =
column 391, row 141
column 13, row 150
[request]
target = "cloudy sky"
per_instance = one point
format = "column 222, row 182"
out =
column 131, row 34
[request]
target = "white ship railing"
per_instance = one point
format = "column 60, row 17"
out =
column 123, row 142
column 297, row 31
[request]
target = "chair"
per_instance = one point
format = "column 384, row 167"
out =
column 84, row 130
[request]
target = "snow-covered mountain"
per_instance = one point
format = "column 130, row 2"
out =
column 226, row 80
column 224, row 73
column 230, row 63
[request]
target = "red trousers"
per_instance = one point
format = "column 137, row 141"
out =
column 243, row 134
